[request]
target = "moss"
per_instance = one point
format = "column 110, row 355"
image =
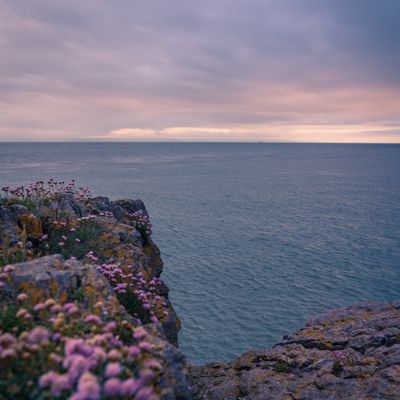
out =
column 282, row 366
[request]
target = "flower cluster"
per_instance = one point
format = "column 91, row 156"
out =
column 45, row 190
column 71, row 353
column 141, row 222
column 340, row 356
column 125, row 282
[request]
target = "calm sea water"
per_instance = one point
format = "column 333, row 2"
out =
column 256, row 238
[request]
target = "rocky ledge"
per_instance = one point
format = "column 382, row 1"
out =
column 350, row 353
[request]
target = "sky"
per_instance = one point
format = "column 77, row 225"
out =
column 211, row 70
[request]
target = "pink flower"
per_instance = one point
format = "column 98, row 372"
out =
column 114, row 355
column 113, row 369
column 146, row 374
column 93, row 319
column 8, row 353
column 112, row 387
column 59, row 384
column 7, row 338
column 110, row 326
column 22, row 297
column 47, row 379
column 139, row 333
column 88, row 387
column 39, row 307
column 72, row 345
column 145, row 393
column 146, row 346
column 39, row 335
column 133, row 351
column 129, row 387
column 152, row 364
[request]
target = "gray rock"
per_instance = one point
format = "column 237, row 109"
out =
column 303, row 366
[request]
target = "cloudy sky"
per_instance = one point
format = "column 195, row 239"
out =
column 224, row 70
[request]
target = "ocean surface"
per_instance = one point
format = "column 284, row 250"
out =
column 255, row 238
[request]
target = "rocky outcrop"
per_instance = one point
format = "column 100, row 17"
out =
column 351, row 353
column 90, row 273
column 107, row 230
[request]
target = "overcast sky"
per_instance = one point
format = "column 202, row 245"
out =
column 240, row 70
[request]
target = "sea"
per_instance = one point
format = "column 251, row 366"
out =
column 256, row 238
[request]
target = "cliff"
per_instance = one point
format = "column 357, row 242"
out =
column 83, row 311
column 85, row 315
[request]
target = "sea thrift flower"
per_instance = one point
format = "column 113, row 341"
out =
column 110, row 326
column 39, row 307
column 39, row 335
column 113, row 369
column 88, row 387
column 7, row 339
column 153, row 364
column 146, row 346
column 8, row 353
column 139, row 333
column 93, row 319
column 47, row 379
column 133, row 351
column 146, row 374
column 59, row 384
column 49, row 302
column 22, row 297
column 114, row 355
column 145, row 394
column 8, row 268
column 57, row 336
column 112, row 387
column 129, row 387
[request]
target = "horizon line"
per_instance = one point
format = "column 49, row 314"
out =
column 193, row 141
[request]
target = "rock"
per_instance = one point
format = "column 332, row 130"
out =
column 52, row 277
column 70, row 280
column 9, row 229
column 302, row 367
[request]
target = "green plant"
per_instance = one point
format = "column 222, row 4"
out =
column 282, row 366
column 133, row 306
column 337, row 368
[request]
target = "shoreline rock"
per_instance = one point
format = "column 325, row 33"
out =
column 348, row 353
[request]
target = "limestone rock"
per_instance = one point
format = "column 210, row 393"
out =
column 305, row 366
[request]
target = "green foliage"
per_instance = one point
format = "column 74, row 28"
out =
column 133, row 306
column 8, row 319
column 79, row 242
column 282, row 366
column 78, row 295
column 29, row 204
column 337, row 368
